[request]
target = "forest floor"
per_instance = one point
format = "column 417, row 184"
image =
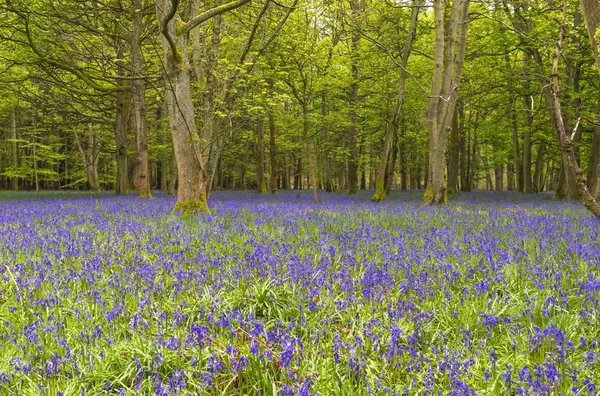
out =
column 275, row 295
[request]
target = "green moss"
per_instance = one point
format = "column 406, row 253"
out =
column 379, row 195
column 428, row 196
column 352, row 192
column 144, row 194
column 180, row 26
column 262, row 187
column 192, row 205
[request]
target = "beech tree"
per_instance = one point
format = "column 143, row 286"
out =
column 448, row 62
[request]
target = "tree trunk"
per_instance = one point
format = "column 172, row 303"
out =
column 539, row 163
column 326, row 159
column 216, row 149
column 141, row 177
column 392, row 123
column 445, row 83
column 191, row 193
column 391, row 166
column 591, row 13
column 381, row 171
column 593, row 174
column 121, row 117
column 453, row 153
column 14, row 149
column 173, row 177
column 90, row 156
column 209, row 126
column 401, row 148
column 272, row 152
column 298, row 174
column 528, row 103
column 517, row 166
column 565, row 141
column 353, row 99
column 312, row 174
column 34, row 149
column 260, row 156
column 499, row 176
column 165, row 158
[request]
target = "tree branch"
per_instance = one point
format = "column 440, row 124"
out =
column 205, row 16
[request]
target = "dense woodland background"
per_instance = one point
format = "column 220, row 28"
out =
column 288, row 92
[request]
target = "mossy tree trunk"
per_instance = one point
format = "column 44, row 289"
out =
column 191, row 192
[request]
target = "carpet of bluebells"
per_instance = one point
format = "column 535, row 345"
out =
column 275, row 295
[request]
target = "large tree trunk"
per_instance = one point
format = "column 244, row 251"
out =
column 564, row 139
column 14, row 149
column 141, row 177
column 260, row 156
column 445, row 83
column 593, row 174
column 392, row 123
column 191, row 193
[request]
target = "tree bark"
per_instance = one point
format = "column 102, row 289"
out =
column 591, row 13
column 34, row 149
column 453, row 153
column 121, row 117
column 517, row 166
column 353, row 99
column 173, row 176
column 260, row 156
column 191, row 194
column 312, row 174
column 14, row 148
column 593, row 174
column 445, row 83
column 141, row 177
column 564, row 139
column 539, row 163
column 90, row 156
column 391, row 166
column 272, row 152
column 326, row 159
column 528, row 103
